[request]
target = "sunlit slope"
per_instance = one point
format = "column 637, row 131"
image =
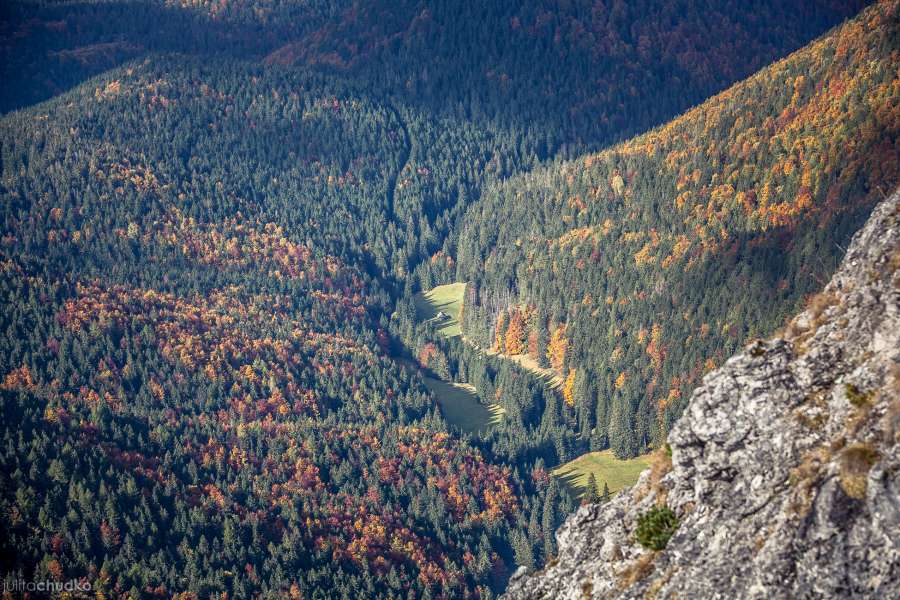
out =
column 643, row 266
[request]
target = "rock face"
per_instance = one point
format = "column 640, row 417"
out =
column 783, row 470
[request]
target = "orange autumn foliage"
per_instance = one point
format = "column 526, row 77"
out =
column 515, row 333
column 556, row 349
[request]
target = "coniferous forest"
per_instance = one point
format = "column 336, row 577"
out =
column 216, row 217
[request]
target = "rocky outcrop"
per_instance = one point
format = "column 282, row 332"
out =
column 783, row 471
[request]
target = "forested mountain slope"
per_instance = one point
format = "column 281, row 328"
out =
column 636, row 270
column 579, row 72
column 584, row 66
column 48, row 46
column 503, row 86
column 199, row 352
column 196, row 385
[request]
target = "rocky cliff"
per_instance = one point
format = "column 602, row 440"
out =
column 782, row 475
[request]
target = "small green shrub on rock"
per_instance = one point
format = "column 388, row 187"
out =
column 856, row 397
column 655, row 527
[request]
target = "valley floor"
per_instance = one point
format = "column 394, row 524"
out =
column 462, row 408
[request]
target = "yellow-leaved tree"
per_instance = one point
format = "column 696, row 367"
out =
column 515, row 334
column 556, row 349
column 569, row 388
column 499, row 341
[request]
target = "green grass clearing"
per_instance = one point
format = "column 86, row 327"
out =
column 443, row 298
column 617, row 474
column 460, row 406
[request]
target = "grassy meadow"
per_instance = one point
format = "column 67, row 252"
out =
column 460, row 406
column 443, row 298
column 617, row 474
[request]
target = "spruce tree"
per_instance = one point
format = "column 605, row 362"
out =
column 591, row 495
